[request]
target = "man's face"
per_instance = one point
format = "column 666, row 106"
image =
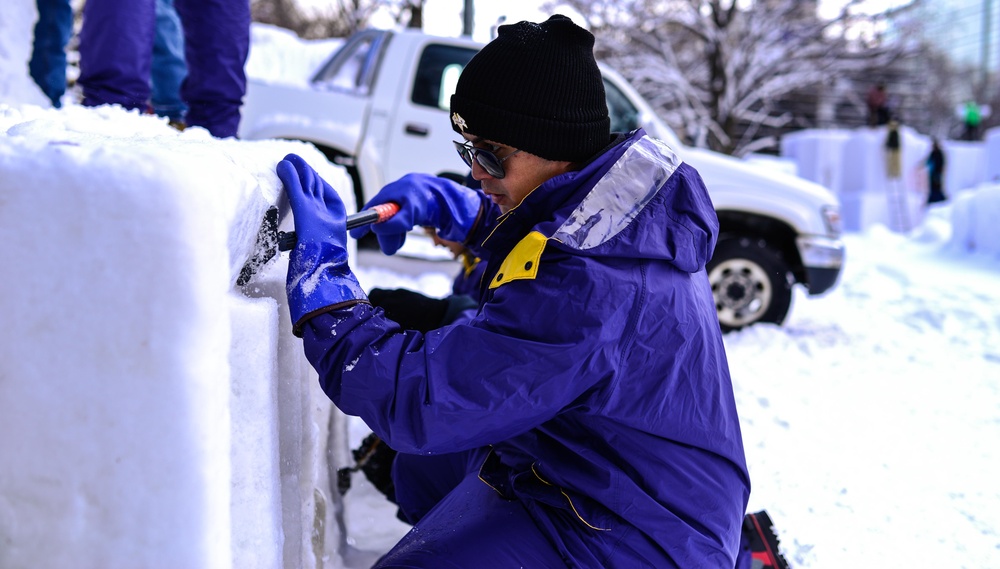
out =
column 524, row 173
column 455, row 247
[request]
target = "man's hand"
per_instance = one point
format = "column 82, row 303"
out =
column 424, row 200
column 317, row 209
column 318, row 275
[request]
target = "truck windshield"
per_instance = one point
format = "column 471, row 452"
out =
column 350, row 68
column 624, row 115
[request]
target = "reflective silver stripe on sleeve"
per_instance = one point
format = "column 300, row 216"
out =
column 620, row 194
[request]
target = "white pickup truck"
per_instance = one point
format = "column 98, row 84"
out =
column 379, row 107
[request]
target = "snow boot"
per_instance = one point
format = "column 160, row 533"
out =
column 762, row 542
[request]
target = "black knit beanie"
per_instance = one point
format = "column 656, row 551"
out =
column 536, row 87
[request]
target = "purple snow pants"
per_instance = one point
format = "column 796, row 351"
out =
column 116, row 47
column 474, row 527
column 459, row 521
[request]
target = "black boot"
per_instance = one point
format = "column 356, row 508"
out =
column 758, row 531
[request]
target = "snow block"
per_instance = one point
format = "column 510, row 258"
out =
column 974, row 217
column 254, row 407
column 161, row 416
column 965, row 166
column 819, row 156
column 853, row 164
column 313, row 442
column 992, row 155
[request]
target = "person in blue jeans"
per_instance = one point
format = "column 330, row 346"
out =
column 116, row 51
column 48, row 55
column 168, row 67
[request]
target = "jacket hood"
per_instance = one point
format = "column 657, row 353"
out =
column 639, row 200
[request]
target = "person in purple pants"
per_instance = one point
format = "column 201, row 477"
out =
column 116, row 47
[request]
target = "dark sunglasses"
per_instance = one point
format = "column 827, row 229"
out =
column 485, row 158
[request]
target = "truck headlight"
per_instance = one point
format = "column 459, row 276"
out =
column 831, row 217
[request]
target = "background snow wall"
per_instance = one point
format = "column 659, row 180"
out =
column 172, row 421
column 852, row 163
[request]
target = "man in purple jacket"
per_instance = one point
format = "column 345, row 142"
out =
column 586, row 411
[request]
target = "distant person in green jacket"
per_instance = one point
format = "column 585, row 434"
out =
column 973, row 118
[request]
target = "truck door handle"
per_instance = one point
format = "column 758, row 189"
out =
column 417, row 129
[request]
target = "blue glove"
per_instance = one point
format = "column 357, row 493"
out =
column 424, row 200
column 318, row 275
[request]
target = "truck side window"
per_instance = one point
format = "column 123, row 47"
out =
column 624, row 116
column 449, row 81
column 437, row 74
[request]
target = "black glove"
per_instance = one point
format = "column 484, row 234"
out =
column 414, row 311
column 374, row 458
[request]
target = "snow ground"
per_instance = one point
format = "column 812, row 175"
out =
column 871, row 419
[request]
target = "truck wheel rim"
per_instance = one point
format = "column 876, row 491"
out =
column 742, row 291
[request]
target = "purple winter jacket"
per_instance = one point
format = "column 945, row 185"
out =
column 595, row 368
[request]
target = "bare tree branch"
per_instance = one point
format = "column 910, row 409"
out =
column 717, row 70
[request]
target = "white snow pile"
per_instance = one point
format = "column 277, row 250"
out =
column 154, row 414
column 281, row 57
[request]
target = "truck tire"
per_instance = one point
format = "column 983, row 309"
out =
column 750, row 282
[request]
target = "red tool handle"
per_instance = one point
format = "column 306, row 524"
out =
column 374, row 214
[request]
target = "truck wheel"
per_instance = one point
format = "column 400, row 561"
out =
column 750, row 282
